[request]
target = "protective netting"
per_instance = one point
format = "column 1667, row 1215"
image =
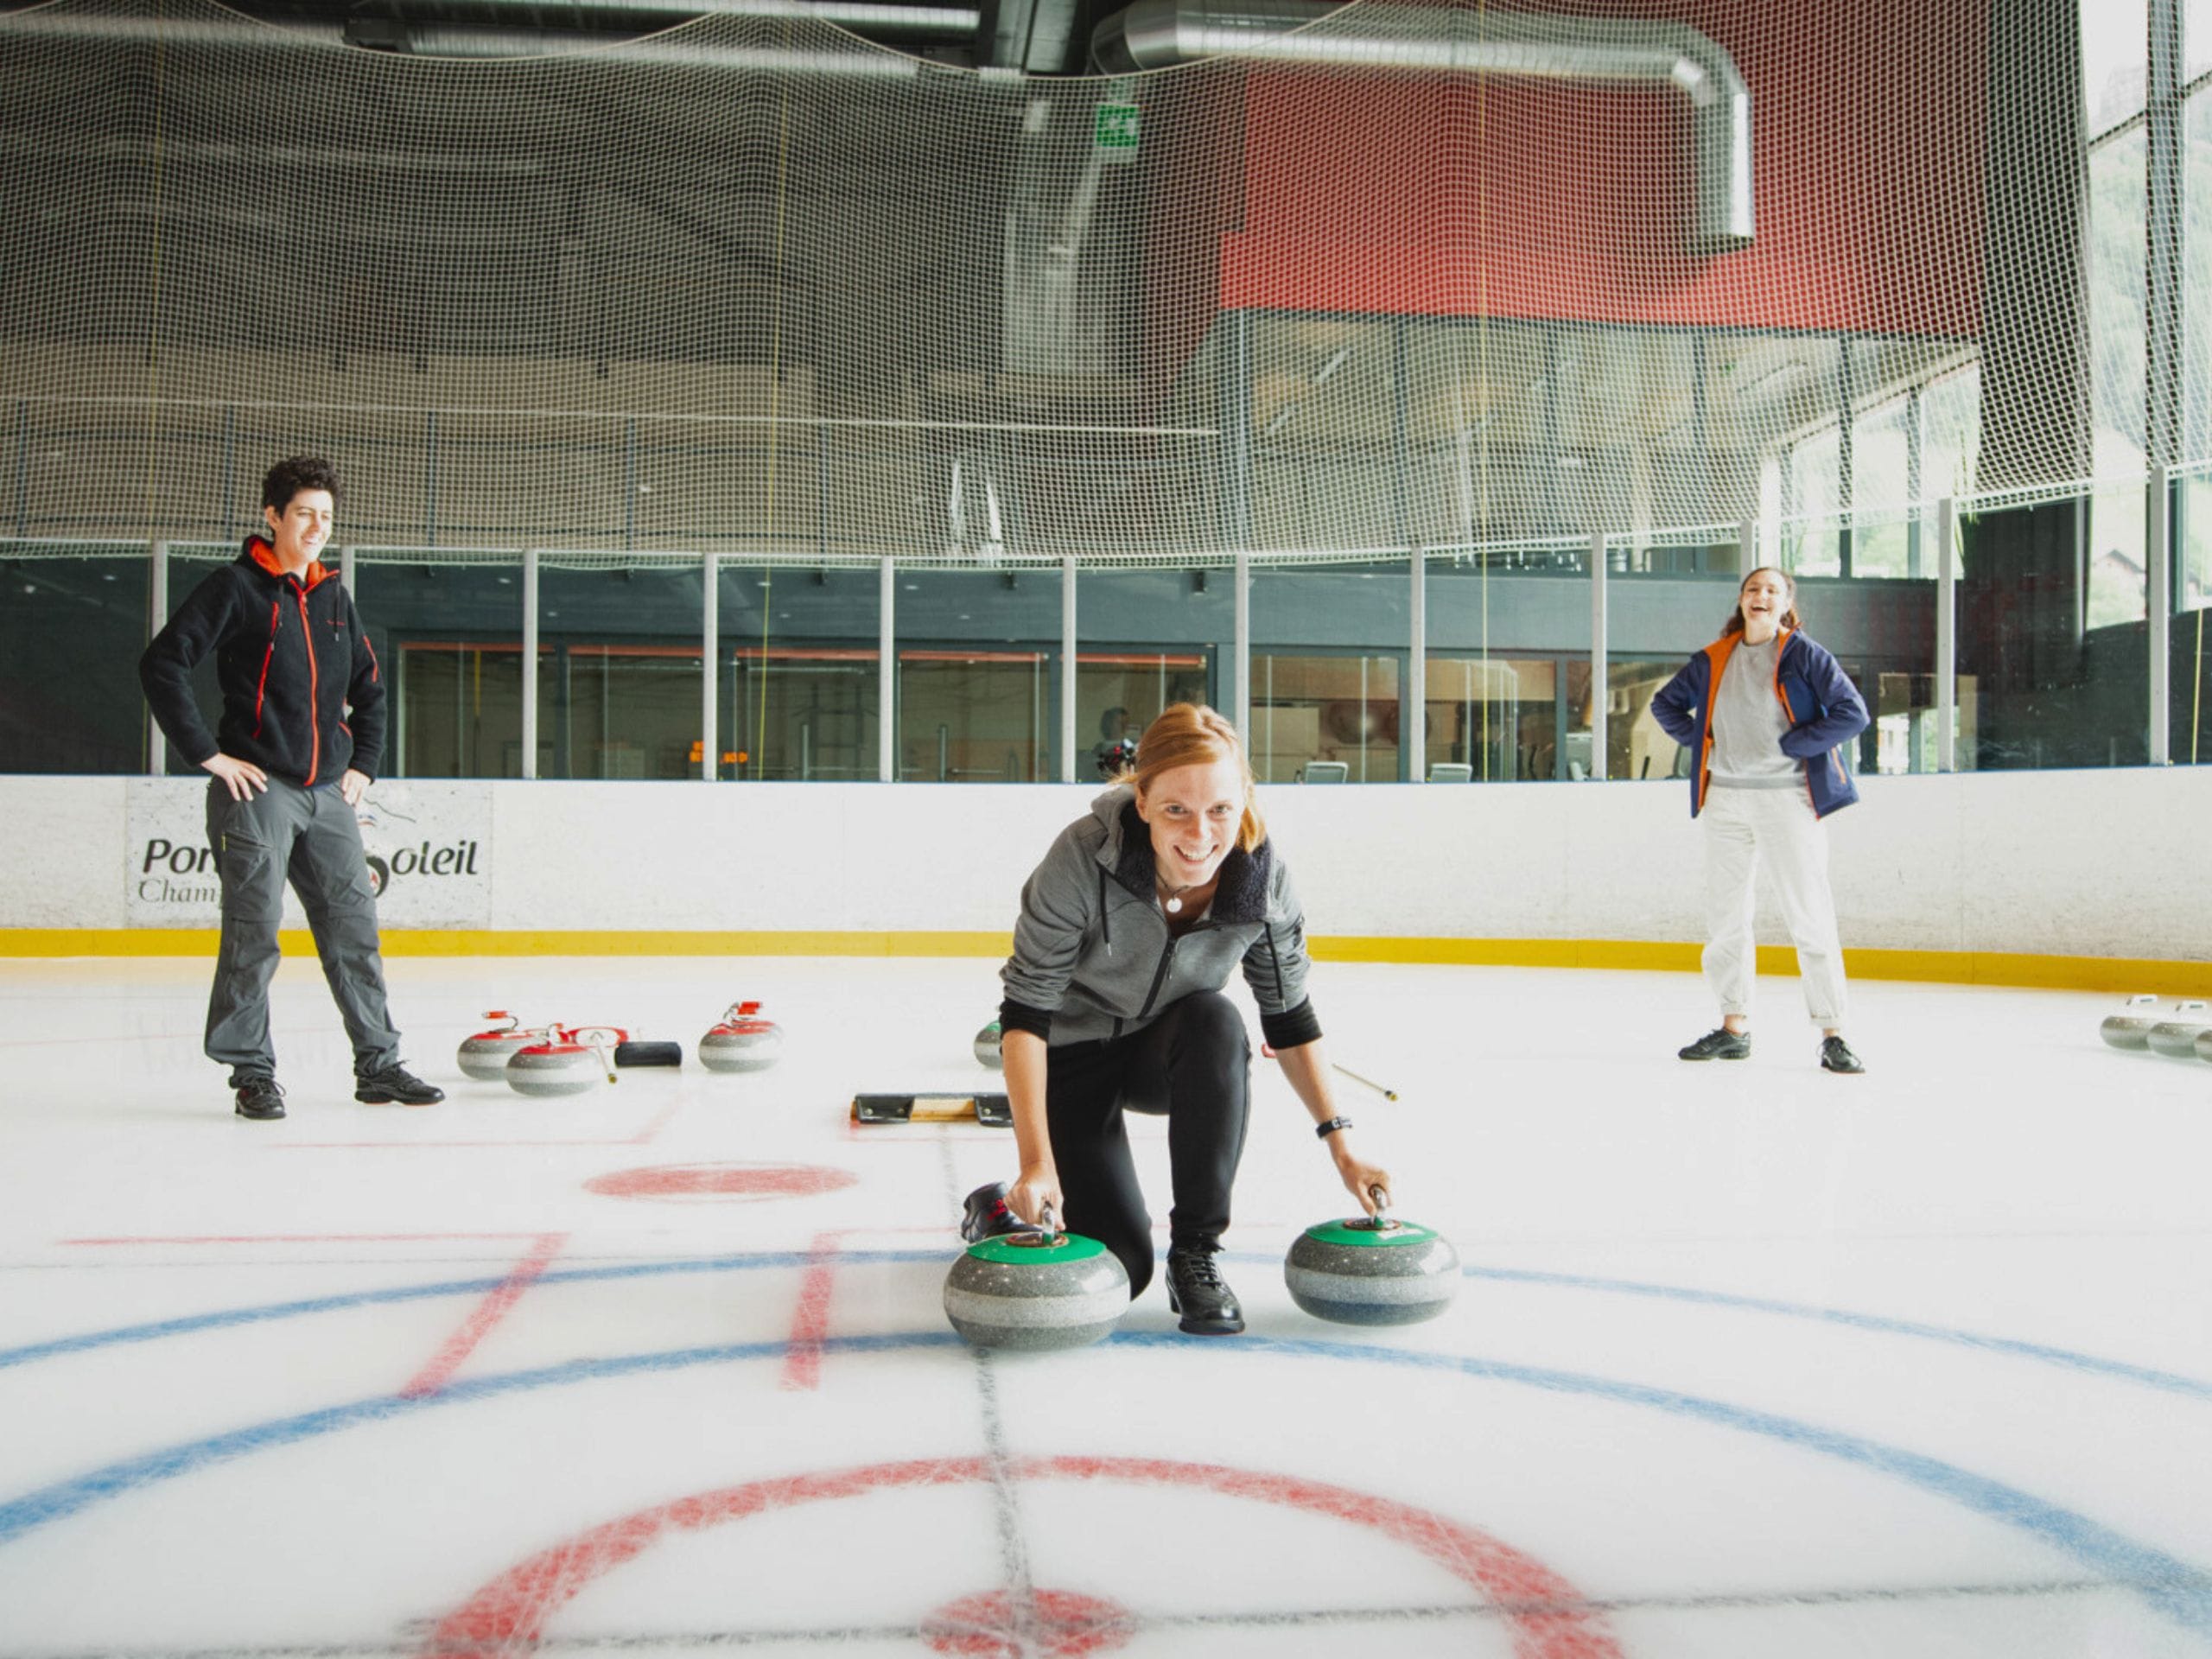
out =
column 1450, row 278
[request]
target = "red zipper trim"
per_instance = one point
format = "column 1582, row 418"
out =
column 315, row 692
column 261, row 689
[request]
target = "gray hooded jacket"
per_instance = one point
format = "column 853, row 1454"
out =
column 1092, row 956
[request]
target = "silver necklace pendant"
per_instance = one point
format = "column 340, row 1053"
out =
column 1174, row 905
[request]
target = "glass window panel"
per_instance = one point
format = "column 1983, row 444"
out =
column 2119, row 582
column 2115, row 40
column 620, row 689
column 1497, row 717
column 2115, row 264
column 1636, row 750
column 978, row 675
column 1327, row 641
column 800, row 678
column 1812, row 497
column 1952, row 409
column 1336, row 710
column 2035, row 689
column 1149, row 637
column 72, row 630
column 2196, row 246
column 1881, row 542
column 449, row 635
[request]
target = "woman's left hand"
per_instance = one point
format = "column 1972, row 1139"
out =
column 1361, row 1178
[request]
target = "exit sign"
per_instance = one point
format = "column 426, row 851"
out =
column 1114, row 132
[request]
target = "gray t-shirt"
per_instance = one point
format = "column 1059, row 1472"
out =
column 1748, row 721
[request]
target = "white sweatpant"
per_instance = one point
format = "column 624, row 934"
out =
column 1743, row 829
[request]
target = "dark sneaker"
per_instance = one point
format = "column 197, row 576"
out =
column 1720, row 1044
column 1195, row 1290
column 396, row 1083
column 1836, row 1056
column 260, row 1099
column 985, row 1215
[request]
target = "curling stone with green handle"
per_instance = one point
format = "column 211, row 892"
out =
column 1372, row 1270
column 2132, row 1030
column 987, row 1047
column 1036, row 1291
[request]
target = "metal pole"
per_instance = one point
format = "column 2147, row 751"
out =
column 157, row 617
column 886, row 679
column 1067, row 668
column 710, row 617
column 1599, row 689
column 530, row 661
column 1747, row 550
column 2158, row 560
column 1846, row 487
column 431, row 477
column 1240, row 677
column 1413, row 699
column 1946, row 634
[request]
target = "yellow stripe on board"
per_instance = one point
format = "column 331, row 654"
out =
column 2116, row 974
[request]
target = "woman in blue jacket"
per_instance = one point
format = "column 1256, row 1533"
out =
column 1765, row 712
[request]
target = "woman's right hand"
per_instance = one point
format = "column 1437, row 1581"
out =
column 1038, row 1190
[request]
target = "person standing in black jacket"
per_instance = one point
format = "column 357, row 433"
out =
column 288, row 768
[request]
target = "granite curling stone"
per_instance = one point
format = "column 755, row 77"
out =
column 556, row 1064
column 1036, row 1291
column 742, row 1040
column 2132, row 1030
column 2177, row 1038
column 987, row 1047
column 485, row 1056
column 1371, row 1270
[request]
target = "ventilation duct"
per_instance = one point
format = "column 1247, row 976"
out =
column 1156, row 34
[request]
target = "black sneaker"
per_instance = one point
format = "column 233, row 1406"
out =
column 260, row 1099
column 1719, row 1043
column 1195, row 1290
column 394, row 1083
column 1836, row 1056
column 985, row 1215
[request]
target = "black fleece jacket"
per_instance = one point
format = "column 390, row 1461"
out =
column 290, row 658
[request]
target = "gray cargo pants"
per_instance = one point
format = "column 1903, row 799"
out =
column 311, row 836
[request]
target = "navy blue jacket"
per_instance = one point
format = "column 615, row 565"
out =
column 291, row 656
column 1824, row 708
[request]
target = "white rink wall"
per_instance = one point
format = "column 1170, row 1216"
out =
column 2115, row 863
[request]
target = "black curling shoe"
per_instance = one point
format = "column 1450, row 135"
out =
column 396, row 1084
column 985, row 1215
column 260, row 1099
column 1719, row 1043
column 1195, row 1290
column 1836, row 1056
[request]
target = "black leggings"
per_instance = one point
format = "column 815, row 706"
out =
column 1193, row 1065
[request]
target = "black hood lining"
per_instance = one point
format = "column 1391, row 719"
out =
column 1241, row 894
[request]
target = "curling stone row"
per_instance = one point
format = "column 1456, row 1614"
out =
column 543, row 1060
column 557, row 1060
column 1045, row 1289
column 2173, row 1034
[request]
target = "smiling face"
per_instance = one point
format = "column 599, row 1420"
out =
column 297, row 534
column 1193, row 813
column 1764, row 598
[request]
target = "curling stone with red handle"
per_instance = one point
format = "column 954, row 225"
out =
column 742, row 1040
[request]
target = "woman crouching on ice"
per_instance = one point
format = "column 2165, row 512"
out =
column 1129, row 929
